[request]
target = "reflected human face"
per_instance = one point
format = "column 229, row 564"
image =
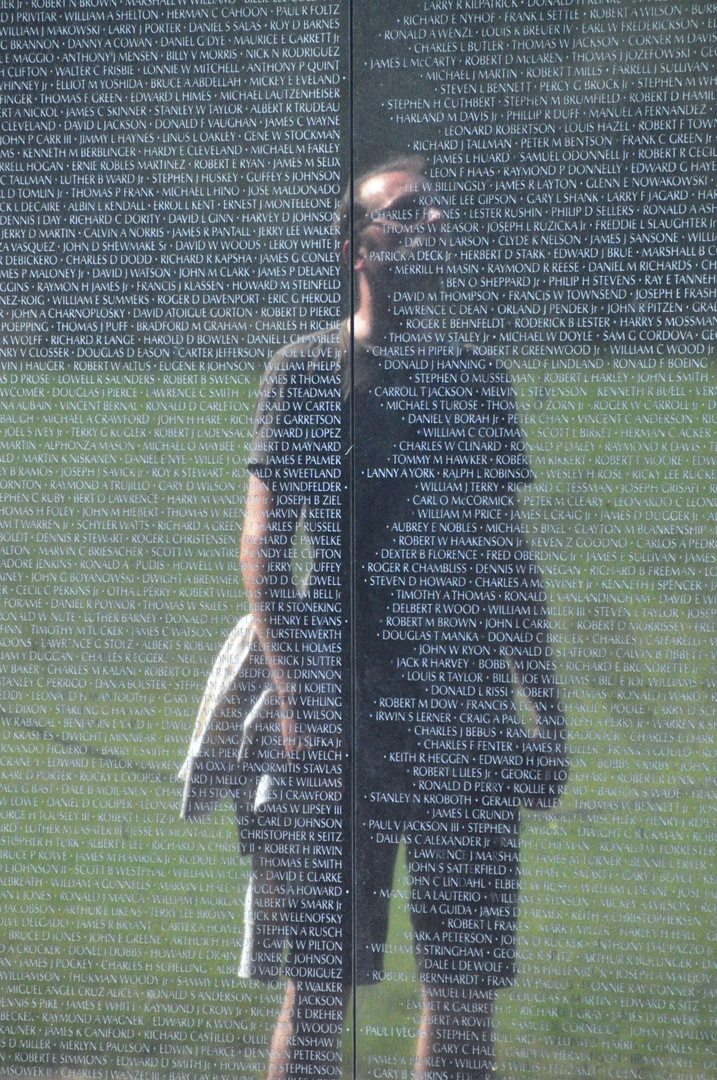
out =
column 403, row 228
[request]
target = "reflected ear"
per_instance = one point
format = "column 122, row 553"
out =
column 359, row 255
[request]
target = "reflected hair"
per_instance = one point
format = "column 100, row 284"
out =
column 351, row 215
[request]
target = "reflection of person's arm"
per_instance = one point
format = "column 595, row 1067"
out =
column 530, row 647
column 531, row 656
column 266, row 558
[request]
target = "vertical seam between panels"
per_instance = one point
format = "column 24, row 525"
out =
column 351, row 546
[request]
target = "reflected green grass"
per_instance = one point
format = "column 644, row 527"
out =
column 122, row 925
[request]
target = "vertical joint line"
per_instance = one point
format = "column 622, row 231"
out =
column 352, row 545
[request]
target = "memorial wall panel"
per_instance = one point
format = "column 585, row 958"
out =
column 392, row 326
